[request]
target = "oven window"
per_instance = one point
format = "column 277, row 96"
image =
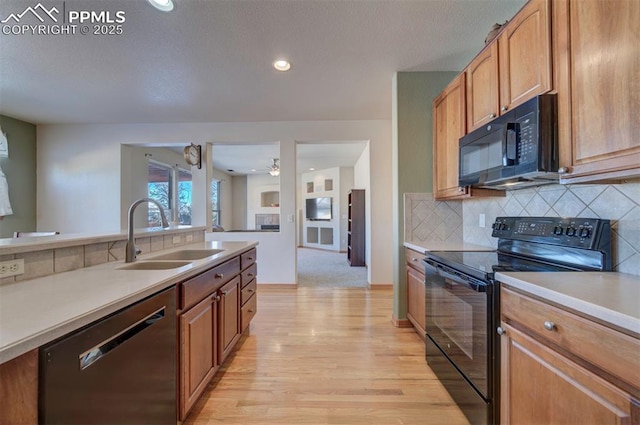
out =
column 454, row 316
column 482, row 154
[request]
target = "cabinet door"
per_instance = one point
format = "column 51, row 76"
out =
column 540, row 386
column 599, row 101
column 448, row 128
column 525, row 55
column 416, row 300
column 229, row 314
column 482, row 88
column 198, row 353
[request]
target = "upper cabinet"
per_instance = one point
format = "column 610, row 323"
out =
column 512, row 69
column 482, row 87
column 448, row 128
column 596, row 50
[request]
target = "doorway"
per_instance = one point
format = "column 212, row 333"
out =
column 326, row 172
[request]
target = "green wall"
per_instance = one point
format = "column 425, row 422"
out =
column 20, row 170
column 413, row 94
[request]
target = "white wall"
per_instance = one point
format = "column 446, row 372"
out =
column 78, row 180
column 256, row 185
column 318, row 178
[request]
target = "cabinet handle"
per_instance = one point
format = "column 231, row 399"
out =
column 249, row 274
column 216, row 298
column 460, row 189
column 563, row 170
column 414, row 259
column 492, row 115
column 504, row 108
column 250, row 311
column 219, row 275
column 550, row 326
column 250, row 291
column 500, row 331
column 249, row 258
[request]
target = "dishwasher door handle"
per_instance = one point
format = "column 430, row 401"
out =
column 101, row 349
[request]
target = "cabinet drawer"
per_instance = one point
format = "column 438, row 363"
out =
column 609, row 350
column 248, row 291
column 248, row 258
column 249, row 274
column 198, row 287
column 249, row 310
column 414, row 259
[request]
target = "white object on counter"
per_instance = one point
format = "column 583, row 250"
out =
column 5, row 205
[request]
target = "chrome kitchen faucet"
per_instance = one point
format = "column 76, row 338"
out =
column 131, row 250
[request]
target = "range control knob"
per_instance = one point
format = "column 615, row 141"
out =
column 503, row 226
column 558, row 230
column 571, row 231
column 585, row 233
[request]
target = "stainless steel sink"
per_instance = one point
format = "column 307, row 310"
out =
column 188, row 254
column 154, row 265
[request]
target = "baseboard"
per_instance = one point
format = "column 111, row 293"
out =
column 385, row 286
column 267, row 286
column 401, row 323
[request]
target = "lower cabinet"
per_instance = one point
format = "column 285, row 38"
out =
column 198, row 350
column 415, row 291
column 229, row 317
column 560, row 368
column 215, row 306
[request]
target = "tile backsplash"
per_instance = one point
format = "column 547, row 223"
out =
column 429, row 220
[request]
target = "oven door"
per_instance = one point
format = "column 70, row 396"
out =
column 458, row 322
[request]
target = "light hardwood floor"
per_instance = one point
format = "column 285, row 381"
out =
column 326, row 356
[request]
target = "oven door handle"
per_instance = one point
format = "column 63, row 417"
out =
column 460, row 278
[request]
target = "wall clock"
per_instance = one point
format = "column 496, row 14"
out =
column 193, row 155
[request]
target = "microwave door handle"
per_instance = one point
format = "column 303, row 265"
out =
column 510, row 145
column 462, row 280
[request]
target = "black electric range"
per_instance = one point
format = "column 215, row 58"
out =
column 462, row 300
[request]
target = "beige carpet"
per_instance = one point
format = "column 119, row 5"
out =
column 328, row 269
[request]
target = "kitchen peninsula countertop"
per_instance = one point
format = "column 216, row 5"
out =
column 37, row 311
column 423, row 246
column 610, row 297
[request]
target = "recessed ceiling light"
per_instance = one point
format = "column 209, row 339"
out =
column 282, row 65
column 312, row 169
column 164, row 5
column 253, row 170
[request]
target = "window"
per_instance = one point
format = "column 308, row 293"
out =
column 163, row 182
column 215, row 202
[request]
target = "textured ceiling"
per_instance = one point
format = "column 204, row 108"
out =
column 210, row 60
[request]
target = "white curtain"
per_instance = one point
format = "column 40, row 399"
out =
column 5, row 205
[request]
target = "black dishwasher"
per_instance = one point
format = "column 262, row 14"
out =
column 118, row 370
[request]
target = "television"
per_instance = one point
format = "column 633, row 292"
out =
column 319, row 208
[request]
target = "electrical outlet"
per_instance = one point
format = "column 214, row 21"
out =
column 176, row 240
column 189, row 238
column 481, row 221
column 12, row 267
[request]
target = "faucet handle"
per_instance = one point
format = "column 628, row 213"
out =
column 138, row 251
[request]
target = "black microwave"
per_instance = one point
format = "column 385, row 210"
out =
column 517, row 149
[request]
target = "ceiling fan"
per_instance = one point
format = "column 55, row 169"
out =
column 274, row 170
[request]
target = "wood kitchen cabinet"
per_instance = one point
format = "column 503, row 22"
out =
column 198, row 350
column 19, row 390
column 596, row 54
column 558, row 367
column 415, row 291
column 513, row 68
column 229, row 317
column 448, row 127
column 210, row 322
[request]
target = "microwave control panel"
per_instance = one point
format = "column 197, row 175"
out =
column 577, row 232
column 527, row 138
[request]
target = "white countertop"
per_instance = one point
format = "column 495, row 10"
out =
column 37, row 311
column 422, row 246
column 610, row 297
